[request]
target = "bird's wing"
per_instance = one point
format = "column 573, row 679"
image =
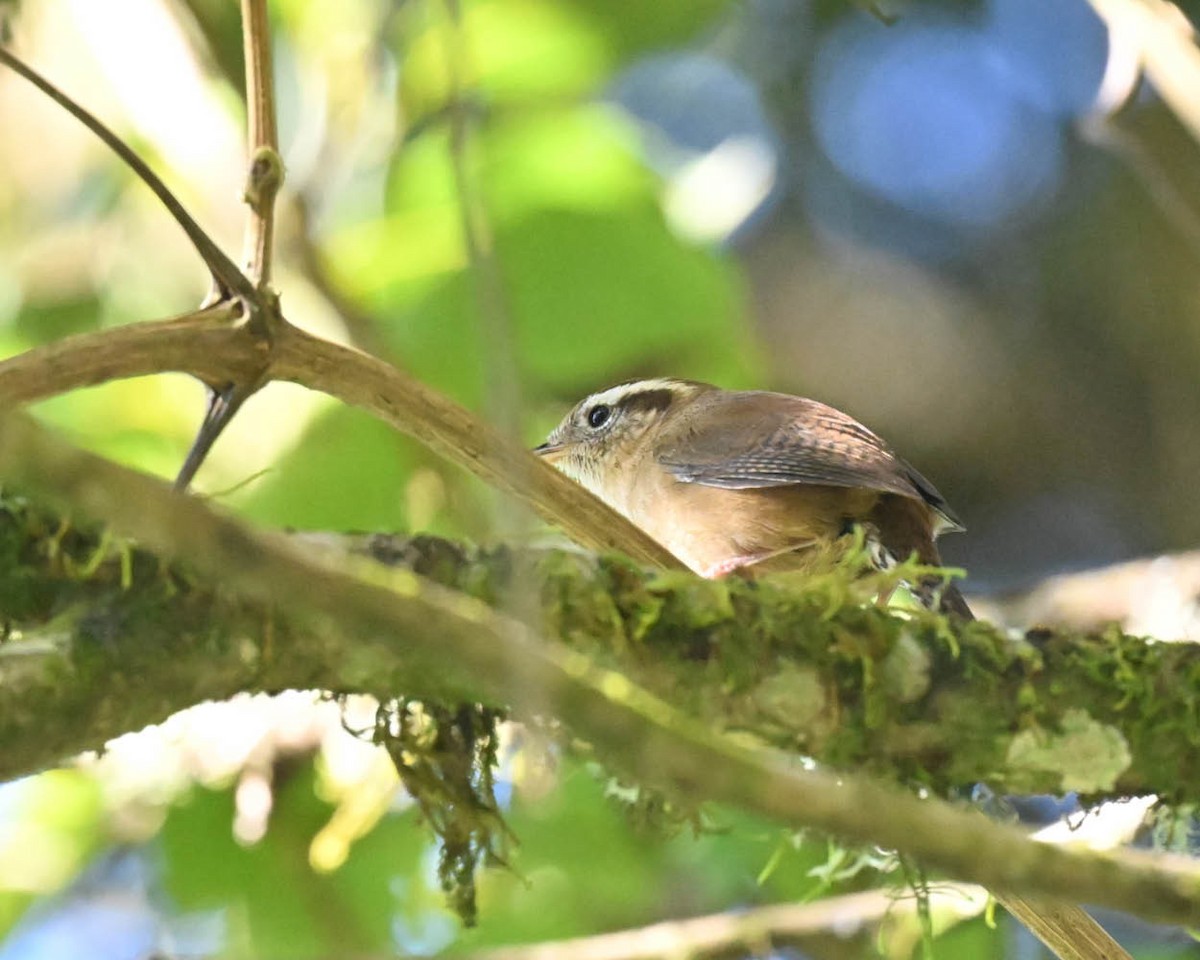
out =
column 791, row 440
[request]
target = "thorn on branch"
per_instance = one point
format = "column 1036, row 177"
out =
column 227, row 278
column 260, row 306
column 263, row 321
column 223, row 403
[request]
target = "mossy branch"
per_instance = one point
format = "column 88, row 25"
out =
column 808, row 670
column 297, row 620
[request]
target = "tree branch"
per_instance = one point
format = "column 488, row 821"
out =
column 203, row 343
column 721, row 936
column 808, row 671
column 206, row 346
column 266, row 166
column 345, row 632
column 1164, row 43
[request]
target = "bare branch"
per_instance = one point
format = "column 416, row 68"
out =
column 247, row 356
column 206, row 346
column 718, row 936
column 203, row 343
column 227, row 277
column 732, row 935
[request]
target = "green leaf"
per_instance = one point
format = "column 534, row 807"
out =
column 595, row 283
column 511, row 51
column 507, row 53
column 55, row 822
column 274, row 898
column 348, row 471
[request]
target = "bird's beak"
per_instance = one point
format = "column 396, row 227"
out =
column 550, row 451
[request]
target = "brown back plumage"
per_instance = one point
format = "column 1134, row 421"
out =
column 737, row 441
column 754, row 440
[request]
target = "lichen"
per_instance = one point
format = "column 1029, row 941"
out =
column 1086, row 756
column 792, row 697
column 904, row 671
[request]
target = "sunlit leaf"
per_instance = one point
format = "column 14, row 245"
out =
column 514, row 50
column 269, row 889
column 347, row 472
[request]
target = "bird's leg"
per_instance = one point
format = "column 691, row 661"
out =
column 715, row 571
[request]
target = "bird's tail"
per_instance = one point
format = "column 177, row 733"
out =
column 904, row 528
column 946, row 595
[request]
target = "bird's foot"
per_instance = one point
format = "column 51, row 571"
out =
column 727, row 566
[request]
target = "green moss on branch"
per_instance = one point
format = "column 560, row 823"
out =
column 102, row 641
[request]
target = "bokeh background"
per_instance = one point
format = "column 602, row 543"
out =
column 969, row 226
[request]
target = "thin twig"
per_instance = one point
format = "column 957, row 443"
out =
column 227, row 277
column 464, row 644
column 500, row 373
column 266, row 167
column 717, row 935
column 263, row 179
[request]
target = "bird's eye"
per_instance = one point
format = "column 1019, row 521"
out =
column 598, row 415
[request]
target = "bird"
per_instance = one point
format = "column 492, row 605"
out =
column 752, row 481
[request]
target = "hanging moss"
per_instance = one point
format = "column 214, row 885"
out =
column 446, row 759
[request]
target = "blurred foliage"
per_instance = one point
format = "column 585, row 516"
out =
column 1042, row 368
column 62, row 826
column 578, row 862
column 275, row 901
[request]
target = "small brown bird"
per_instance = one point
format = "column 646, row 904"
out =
column 728, row 479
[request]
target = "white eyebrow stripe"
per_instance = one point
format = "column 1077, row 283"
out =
column 614, row 395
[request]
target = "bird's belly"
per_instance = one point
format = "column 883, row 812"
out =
column 714, row 530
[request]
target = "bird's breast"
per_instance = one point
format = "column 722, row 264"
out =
column 714, row 529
